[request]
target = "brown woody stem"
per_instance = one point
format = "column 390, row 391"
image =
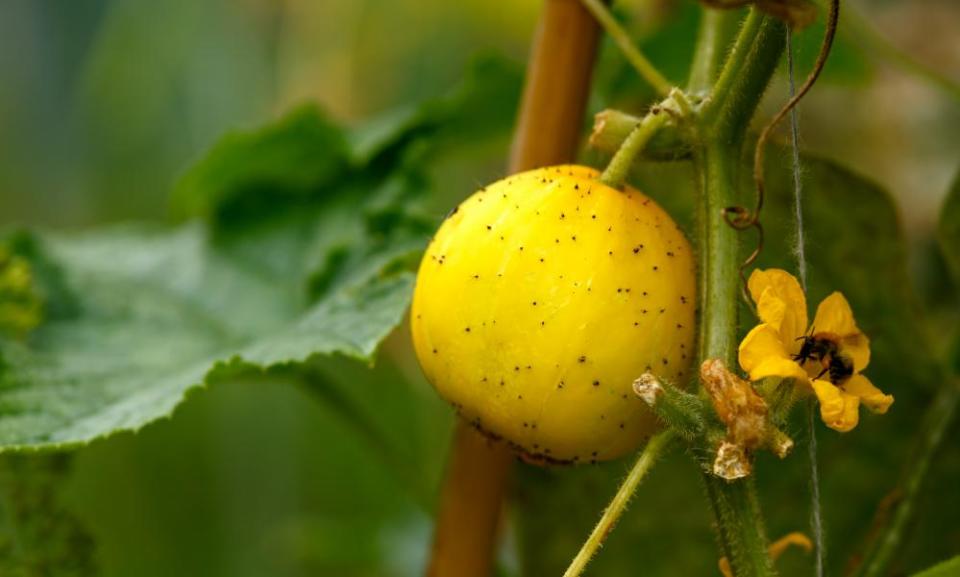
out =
column 548, row 132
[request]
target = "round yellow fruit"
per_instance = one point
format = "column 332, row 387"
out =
column 540, row 300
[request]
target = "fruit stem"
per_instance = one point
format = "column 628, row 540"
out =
column 616, row 172
column 634, row 56
column 473, row 492
column 648, row 457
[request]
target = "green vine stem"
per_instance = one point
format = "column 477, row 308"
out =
column 621, row 37
column 619, row 167
column 712, row 42
column 648, row 457
column 883, row 550
column 745, row 75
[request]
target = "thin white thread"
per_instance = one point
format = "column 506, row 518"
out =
column 816, row 519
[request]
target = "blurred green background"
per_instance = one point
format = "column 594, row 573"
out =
column 104, row 103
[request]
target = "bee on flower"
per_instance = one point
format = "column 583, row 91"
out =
column 828, row 356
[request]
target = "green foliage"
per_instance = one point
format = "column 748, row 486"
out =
column 38, row 534
column 21, row 307
column 949, row 568
column 247, row 172
column 304, row 247
column 949, row 232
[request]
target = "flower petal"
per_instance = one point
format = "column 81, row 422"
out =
column 857, row 347
column 785, row 287
column 839, row 410
column 835, row 317
column 770, row 308
column 762, row 354
column 872, row 397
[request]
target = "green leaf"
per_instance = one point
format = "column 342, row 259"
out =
column 39, row 535
column 138, row 316
column 302, row 246
column 284, row 162
column 160, row 313
column 949, row 568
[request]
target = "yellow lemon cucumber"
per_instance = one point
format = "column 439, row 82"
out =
column 540, row 300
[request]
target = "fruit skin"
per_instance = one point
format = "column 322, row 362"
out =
column 540, row 300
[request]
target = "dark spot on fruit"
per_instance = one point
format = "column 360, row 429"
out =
column 517, row 368
column 582, row 359
column 655, row 267
column 596, row 383
column 669, row 253
column 593, row 216
column 665, row 361
column 434, row 351
column 467, row 329
column 636, row 249
column 679, row 326
column 622, row 426
column 489, row 227
column 534, row 303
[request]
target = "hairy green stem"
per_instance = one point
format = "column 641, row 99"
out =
column 719, row 252
column 737, row 513
column 712, row 42
column 725, row 119
column 621, row 37
column 936, row 422
column 745, row 76
column 655, row 447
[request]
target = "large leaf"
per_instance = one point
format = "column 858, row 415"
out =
column 136, row 317
column 301, row 245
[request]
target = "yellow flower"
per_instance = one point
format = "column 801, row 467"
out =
column 829, row 357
